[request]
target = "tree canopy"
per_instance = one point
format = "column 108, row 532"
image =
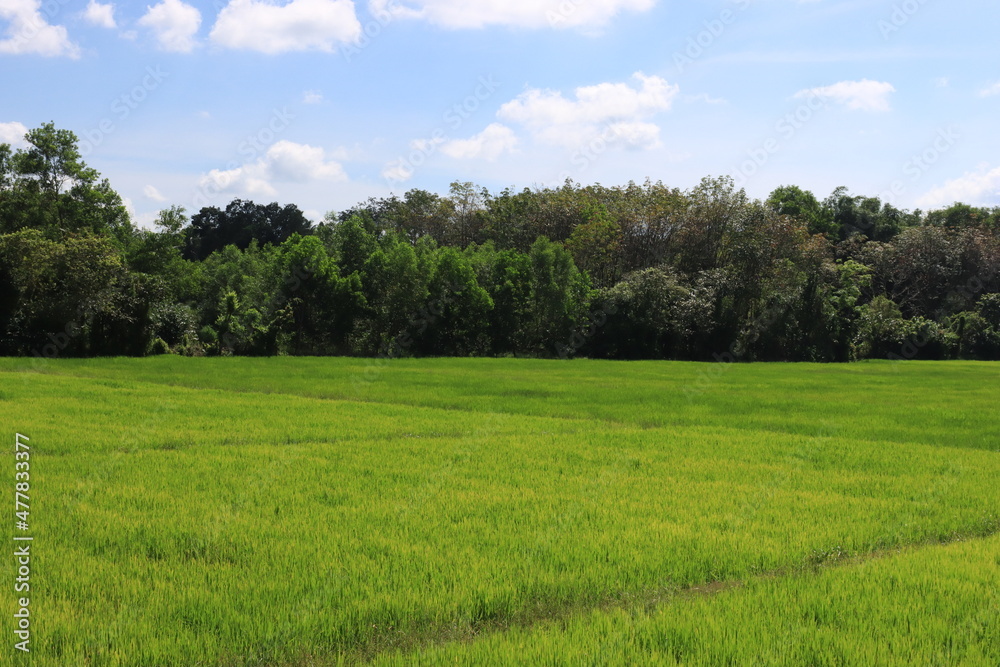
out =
column 626, row 272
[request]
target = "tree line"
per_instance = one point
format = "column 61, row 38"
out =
column 628, row 272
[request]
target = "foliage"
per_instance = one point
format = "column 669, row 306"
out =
column 47, row 186
column 241, row 223
column 636, row 271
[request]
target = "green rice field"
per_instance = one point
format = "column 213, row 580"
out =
column 294, row 512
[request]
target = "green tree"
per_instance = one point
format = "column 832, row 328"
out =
column 713, row 205
column 56, row 292
column 455, row 320
column 241, row 223
column 881, row 329
column 803, row 205
column 649, row 317
column 559, row 296
column 596, row 245
column 394, row 289
column 319, row 308
column 959, row 215
column 160, row 254
column 353, row 245
column 47, row 186
column 510, row 288
column 867, row 216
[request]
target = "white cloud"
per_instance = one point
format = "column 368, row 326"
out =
column 397, row 171
column 616, row 110
column 635, row 134
column 299, row 25
column 13, row 134
column 977, row 188
column 312, row 97
column 174, row 23
column 241, row 180
column 488, row 145
column 28, row 32
column 517, row 13
column 864, row 95
column 990, row 91
column 285, row 162
column 150, row 192
column 706, row 98
column 100, row 15
column 301, row 163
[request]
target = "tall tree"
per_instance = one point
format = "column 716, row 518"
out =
column 47, row 186
column 240, row 223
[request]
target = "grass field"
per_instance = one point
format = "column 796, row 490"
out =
column 325, row 511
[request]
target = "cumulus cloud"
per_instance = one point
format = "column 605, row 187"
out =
column 174, row 23
column 617, row 110
column 990, row 91
column 103, row 16
column 980, row 187
column 284, row 162
column 242, row 181
column 864, row 95
column 13, row 134
column 312, row 97
column 300, row 25
column 488, row 145
column 635, row 134
column 401, row 169
column 300, row 163
column 150, row 192
column 397, row 171
column 516, row 13
column 28, row 32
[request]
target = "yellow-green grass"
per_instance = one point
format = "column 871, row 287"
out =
column 933, row 606
column 311, row 511
column 926, row 402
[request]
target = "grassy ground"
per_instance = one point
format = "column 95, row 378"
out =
column 317, row 511
column 932, row 606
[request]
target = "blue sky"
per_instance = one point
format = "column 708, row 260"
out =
column 324, row 103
